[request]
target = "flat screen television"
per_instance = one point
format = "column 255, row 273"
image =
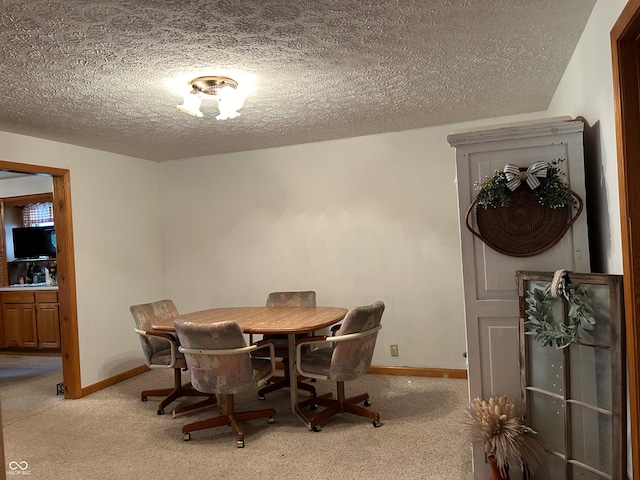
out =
column 34, row 242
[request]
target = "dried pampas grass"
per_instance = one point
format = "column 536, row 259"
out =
column 503, row 433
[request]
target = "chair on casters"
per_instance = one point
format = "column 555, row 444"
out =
column 221, row 363
column 161, row 351
column 348, row 359
column 287, row 299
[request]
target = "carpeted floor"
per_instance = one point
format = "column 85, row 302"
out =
column 113, row 435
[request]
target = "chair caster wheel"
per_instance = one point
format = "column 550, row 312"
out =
column 377, row 423
column 316, row 428
column 161, row 411
column 143, row 399
column 186, row 437
column 240, row 443
column 271, row 420
column 260, row 397
column 367, row 403
column 313, row 380
column 314, row 407
column 313, row 394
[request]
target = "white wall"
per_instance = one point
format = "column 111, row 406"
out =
column 586, row 90
column 117, row 240
column 356, row 220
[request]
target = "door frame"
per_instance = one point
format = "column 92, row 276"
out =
column 625, row 55
column 66, row 271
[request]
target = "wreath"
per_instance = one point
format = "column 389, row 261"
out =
column 524, row 220
column 540, row 321
column 546, row 181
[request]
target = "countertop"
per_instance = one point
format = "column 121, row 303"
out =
column 28, row 286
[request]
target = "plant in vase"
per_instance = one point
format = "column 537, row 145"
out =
column 505, row 437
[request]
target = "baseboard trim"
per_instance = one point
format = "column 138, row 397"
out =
column 401, row 371
column 30, row 352
column 107, row 382
column 419, row 372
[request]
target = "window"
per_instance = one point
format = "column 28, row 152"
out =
column 575, row 396
column 38, row 214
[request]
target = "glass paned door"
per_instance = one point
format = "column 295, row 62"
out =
column 574, row 390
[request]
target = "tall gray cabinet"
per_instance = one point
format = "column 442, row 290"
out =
column 490, row 288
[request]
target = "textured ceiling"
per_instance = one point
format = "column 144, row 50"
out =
column 99, row 73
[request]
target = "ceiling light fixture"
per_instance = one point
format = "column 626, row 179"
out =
column 223, row 89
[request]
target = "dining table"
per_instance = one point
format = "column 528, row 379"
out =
column 290, row 321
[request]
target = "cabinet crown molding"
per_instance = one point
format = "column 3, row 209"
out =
column 515, row 131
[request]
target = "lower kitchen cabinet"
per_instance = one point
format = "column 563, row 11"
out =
column 30, row 319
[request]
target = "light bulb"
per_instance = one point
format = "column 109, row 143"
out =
column 229, row 102
column 191, row 104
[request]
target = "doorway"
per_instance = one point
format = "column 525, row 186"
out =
column 625, row 51
column 66, row 271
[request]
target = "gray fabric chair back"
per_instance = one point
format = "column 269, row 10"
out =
column 292, row 299
column 221, row 374
column 145, row 315
column 352, row 358
column 305, row 298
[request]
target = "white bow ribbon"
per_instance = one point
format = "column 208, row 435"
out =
column 531, row 175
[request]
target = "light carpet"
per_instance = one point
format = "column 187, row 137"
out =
column 111, row 434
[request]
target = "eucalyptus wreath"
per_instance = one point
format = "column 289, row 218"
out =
column 547, row 330
column 553, row 191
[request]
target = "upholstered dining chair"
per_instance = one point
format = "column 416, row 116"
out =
column 287, row 299
column 220, row 363
column 341, row 358
column 161, row 351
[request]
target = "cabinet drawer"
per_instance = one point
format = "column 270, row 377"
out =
column 17, row 297
column 49, row 296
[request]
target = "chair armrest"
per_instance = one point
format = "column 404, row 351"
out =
column 335, row 329
column 263, row 343
column 154, row 333
column 300, row 344
column 315, row 339
column 271, row 345
column 173, row 343
column 340, row 338
column 238, row 351
column 220, row 351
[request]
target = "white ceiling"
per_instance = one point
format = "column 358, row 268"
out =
column 97, row 73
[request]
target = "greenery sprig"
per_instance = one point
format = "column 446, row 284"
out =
column 553, row 191
column 547, row 330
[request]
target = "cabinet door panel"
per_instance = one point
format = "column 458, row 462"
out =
column 11, row 325
column 48, row 326
column 28, row 329
column 19, row 324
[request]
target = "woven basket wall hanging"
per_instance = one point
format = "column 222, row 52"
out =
column 524, row 226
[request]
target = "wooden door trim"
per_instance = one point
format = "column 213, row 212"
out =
column 624, row 52
column 22, row 200
column 66, row 271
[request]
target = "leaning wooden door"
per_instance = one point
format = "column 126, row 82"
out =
column 490, row 287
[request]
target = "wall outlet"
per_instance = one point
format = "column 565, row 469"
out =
column 394, row 350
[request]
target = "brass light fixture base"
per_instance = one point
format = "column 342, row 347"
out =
column 211, row 85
